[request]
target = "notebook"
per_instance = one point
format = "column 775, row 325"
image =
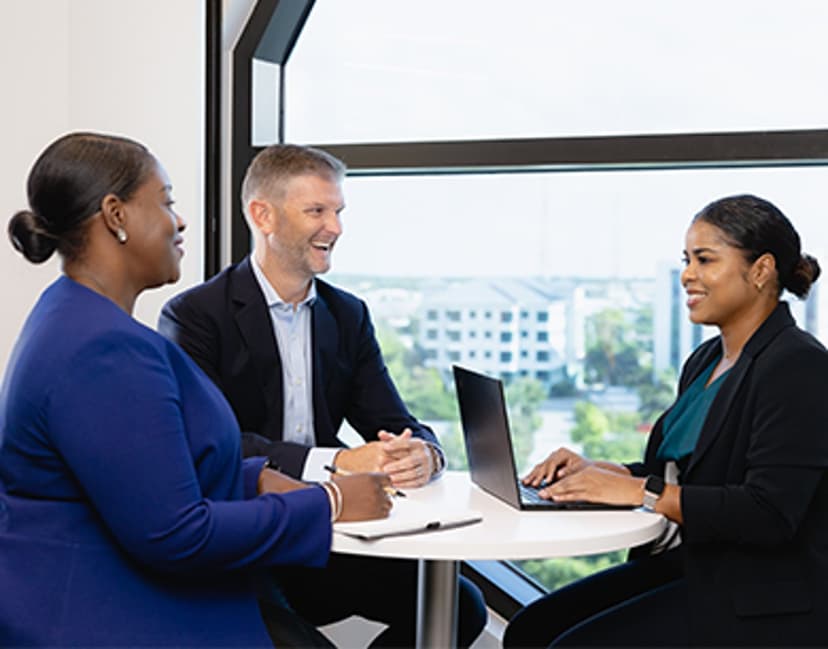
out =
column 410, row 517
column 488, row 440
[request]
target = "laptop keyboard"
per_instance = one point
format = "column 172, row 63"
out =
column 530, row 494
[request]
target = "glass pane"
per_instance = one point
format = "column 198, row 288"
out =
column 373, row 70
column 264, row 104
column 537, row 278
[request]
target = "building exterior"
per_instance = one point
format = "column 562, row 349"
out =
column 503, row 327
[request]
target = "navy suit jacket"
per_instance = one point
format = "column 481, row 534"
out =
column 127, row 516
column 225, row 326
column 755, row 493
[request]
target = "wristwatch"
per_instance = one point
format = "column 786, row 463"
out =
column 653, row 488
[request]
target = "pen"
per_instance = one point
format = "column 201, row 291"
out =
column 336, row 469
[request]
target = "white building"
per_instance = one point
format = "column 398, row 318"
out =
column 504, row 327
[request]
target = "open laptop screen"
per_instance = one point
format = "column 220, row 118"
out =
column 488, row 440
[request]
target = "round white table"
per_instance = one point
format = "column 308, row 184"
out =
column 504, row 533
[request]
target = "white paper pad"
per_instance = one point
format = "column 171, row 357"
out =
column 409, row 517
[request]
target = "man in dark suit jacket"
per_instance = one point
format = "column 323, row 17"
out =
column 225, row 326
column 295, row 357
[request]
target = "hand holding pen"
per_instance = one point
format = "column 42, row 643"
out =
column 359, row 497
column 334, row 470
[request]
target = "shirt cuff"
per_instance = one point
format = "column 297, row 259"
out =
column 440, row 458
column 317, row 458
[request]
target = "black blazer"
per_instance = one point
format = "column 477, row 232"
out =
column 755, row 493
column 225, row 326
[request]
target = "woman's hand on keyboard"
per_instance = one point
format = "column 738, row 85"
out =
column 559, row 464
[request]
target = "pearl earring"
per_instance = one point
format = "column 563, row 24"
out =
column 122, row 235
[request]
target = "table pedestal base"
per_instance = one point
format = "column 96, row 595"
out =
column 437, row 604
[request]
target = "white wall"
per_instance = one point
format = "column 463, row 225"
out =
column 34, row 88
column 128, row 67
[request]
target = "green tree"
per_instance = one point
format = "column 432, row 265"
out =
column 615, row 347
column 591, row 425
column 422, row 389
column 424, row 394
column 524, row 397
column 655, row 397
column 610, row 436
column 564, row 388
column 604, row 337
column 556, row 573
column 454, row 448
column 429, row 399
column 603, row 435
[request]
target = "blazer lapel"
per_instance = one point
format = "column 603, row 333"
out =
column 254, row 324
column 720, row 408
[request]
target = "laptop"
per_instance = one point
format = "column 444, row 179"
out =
column 489, row 450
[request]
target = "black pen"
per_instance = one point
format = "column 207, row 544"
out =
column 335, row 469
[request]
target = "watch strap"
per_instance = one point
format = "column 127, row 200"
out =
column 653, row 488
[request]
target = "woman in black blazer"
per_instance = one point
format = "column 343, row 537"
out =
column 737, row 465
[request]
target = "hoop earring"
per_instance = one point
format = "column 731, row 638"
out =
column 121, row 234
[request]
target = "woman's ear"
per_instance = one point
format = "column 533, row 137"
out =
column 114, row 217
column 112, row 210
column 763, row 271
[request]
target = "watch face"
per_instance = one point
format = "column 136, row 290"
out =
column 654, row 485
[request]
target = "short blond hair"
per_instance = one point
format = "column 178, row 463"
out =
column 272, row 168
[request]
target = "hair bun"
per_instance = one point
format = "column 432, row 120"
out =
column 29, row 238
column 813, row 267
column 804, row 274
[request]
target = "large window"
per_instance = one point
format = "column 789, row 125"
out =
column 615, row 121
column 374, row 70
column 596, row 252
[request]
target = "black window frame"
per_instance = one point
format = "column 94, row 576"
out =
column 280, row 22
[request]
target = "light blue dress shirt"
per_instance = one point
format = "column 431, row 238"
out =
column 292, row 328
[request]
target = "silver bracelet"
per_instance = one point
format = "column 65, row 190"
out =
column 340, row 501
column 326, row 487
column 334, row 497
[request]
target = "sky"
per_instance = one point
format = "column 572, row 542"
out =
column 437, row 69
column 374, row 70
column 597, row 224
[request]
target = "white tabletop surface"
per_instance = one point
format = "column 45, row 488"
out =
column 506, row 533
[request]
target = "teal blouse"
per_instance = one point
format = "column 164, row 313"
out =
column 683, row 424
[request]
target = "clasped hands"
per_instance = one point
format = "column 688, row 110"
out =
column 407, row 460
column 566, row 476
column 399, row 460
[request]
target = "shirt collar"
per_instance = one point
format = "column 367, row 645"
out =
column 272, row 297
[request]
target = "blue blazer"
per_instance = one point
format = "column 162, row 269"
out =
column 127, row 516
column 225, row 326
column 755, row 493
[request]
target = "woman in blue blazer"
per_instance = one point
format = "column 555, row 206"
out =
column 737, row 465
column 127, row 517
